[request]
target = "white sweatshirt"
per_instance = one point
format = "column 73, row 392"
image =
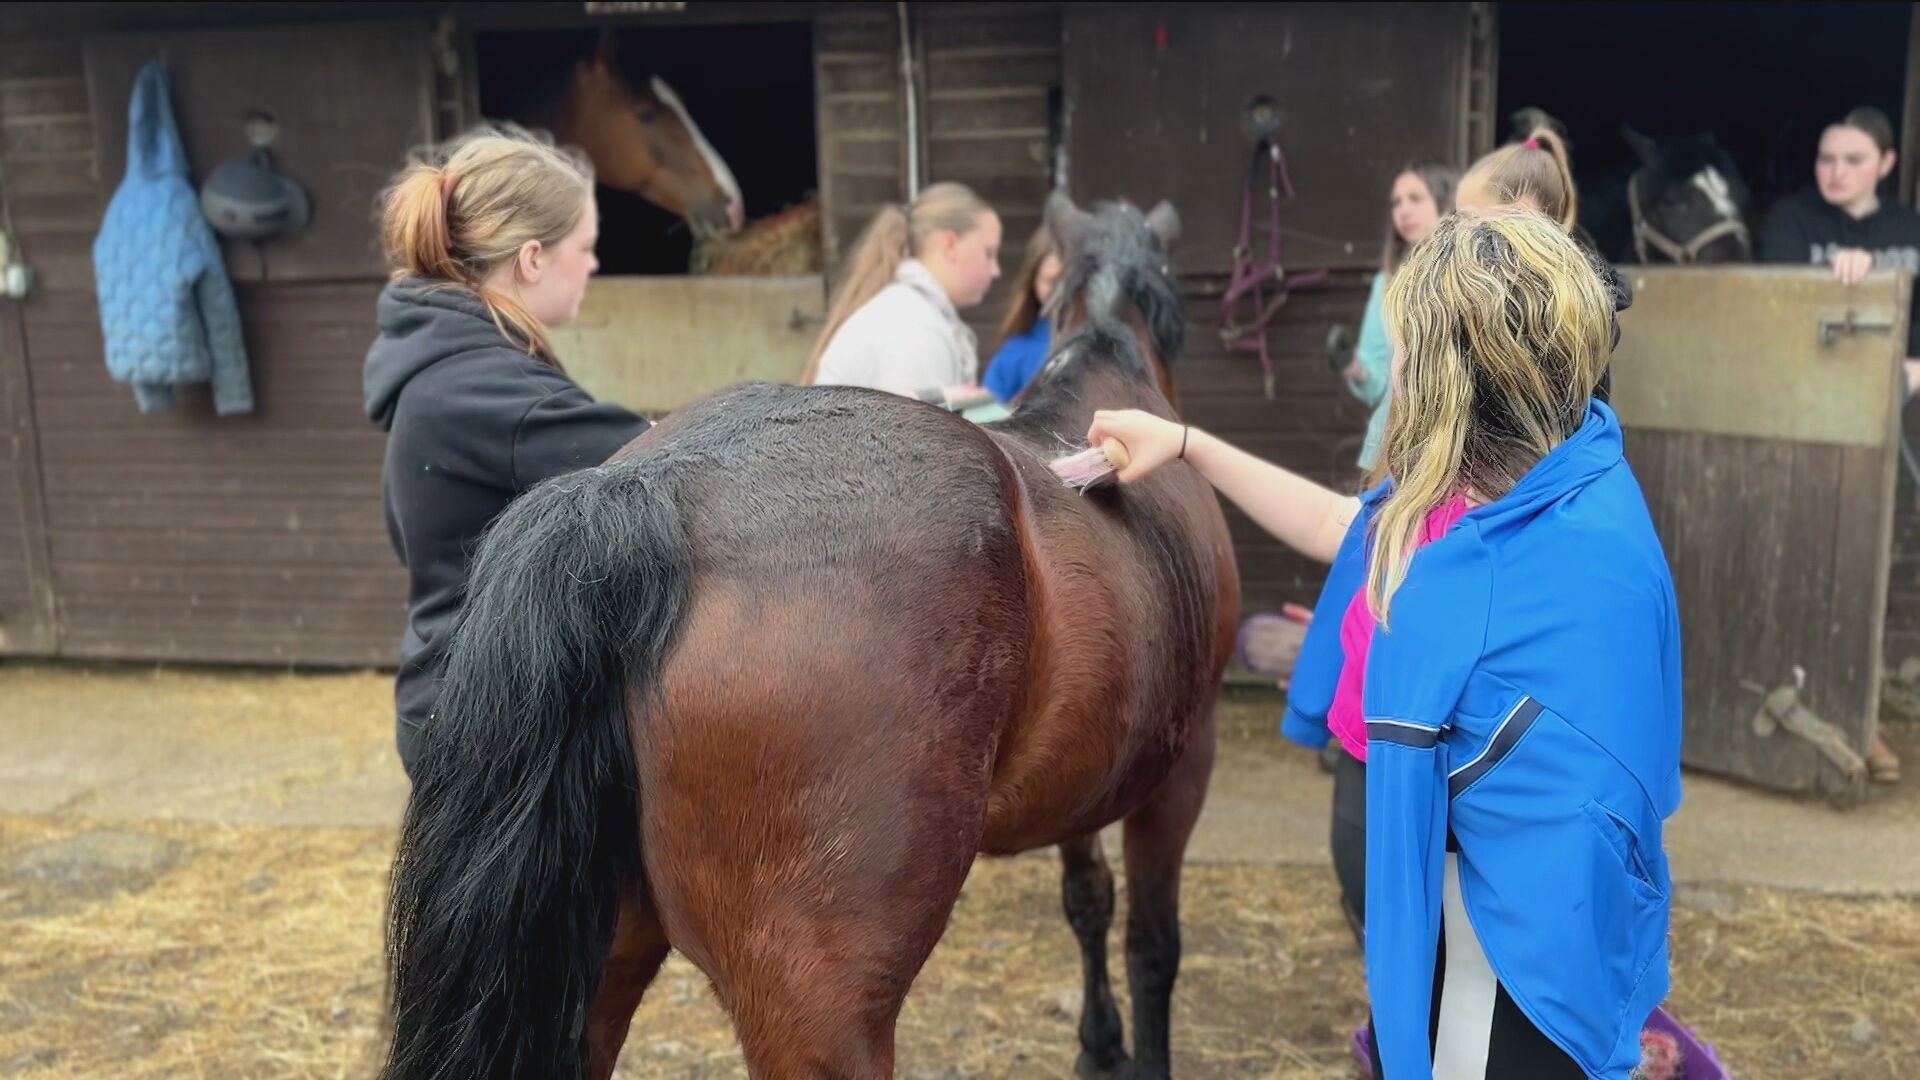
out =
column 907, row 338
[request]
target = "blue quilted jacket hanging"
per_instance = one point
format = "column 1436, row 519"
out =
column 166, row 307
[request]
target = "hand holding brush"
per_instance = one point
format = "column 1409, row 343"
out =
column 1124, row 446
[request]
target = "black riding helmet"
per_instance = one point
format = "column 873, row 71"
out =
column 247, row 198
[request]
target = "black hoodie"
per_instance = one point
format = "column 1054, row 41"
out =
column 1806, row 228
column 471, row 422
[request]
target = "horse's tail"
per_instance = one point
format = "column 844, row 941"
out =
column 523, row 825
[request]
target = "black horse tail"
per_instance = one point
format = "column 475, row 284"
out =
column 522, row 829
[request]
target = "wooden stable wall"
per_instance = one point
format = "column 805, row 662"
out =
column 179, row 535
column 1156, row 93
column 259, row 538
column 985, row 77
column 989, row 72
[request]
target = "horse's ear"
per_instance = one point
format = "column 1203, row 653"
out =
column 1164, row 220
column 1067, row 222
column 1646, row 148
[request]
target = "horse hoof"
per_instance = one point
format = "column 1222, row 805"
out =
column 1088, row 1067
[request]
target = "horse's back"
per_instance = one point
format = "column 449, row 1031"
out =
column 859, row 588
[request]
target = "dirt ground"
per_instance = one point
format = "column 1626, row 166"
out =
column 222, row 932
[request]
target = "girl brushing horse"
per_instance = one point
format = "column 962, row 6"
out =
column 491, row 241
column 894, row 323
column 760, row 689
column 1499, row 635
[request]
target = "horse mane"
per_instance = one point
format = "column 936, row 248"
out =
column 1119, row 264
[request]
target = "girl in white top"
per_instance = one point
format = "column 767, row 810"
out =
column 894, row 323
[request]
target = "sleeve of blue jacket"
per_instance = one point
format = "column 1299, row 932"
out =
column 226, row 346
column 1316, row 671
column 1417, row 669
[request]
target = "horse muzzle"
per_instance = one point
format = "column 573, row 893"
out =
column 713, row 220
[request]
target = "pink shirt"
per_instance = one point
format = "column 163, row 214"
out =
column 1346, row 719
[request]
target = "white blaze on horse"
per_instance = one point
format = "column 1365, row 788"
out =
column 643, row 141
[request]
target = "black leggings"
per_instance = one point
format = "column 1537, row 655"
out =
column 1349, row 840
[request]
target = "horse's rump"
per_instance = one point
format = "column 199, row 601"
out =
column 866, row 562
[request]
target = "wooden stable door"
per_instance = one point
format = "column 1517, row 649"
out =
column 1761, row 407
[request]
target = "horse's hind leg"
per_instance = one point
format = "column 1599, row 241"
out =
column 1156, row 837
column 815, row 967
column 1087, row 889
column 639, row 947
column 808, row 862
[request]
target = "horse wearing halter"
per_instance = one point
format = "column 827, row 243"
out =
column 1645, row 234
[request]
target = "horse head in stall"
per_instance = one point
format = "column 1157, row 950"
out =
column 1682, row 201
column 762, row 688
column 642, row 140
column 1687, row 201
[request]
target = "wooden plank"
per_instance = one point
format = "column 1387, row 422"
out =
column 31, row 137
column 326, row 480
column 182, row 545
column 861, row 149
column 108, row 585
column 1687, row 355
column 43, row 95
column 32, row 628
column 39, row 59
column 1012, row 66
column 145, row 510
column 246, row 646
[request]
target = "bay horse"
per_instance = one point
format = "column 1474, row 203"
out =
column 641, row 140
column 763, row 686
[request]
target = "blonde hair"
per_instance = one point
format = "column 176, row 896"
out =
column 895, row 234
column 459, row 210
column 1504, row 327
column 1023, row 309
column 1536, row 173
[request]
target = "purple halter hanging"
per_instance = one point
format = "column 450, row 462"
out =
column 1265, row 281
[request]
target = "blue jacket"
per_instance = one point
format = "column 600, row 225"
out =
column 1018, row 361
column 1524, row 696
column 166, row 307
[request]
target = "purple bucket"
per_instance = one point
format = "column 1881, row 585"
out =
column 1697, row 1058
column 1247, row 628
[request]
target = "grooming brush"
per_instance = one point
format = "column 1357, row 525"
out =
column 1092, row 466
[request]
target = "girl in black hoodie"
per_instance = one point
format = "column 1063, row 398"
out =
column 1841, row 222
column 491, row 240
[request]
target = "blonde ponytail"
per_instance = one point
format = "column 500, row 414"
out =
column 458, row 211
column 1536, row 173
column 882, row 247
column 894, row 235
column 1504, row 328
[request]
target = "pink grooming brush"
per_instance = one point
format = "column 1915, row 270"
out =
column 1091, row 466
